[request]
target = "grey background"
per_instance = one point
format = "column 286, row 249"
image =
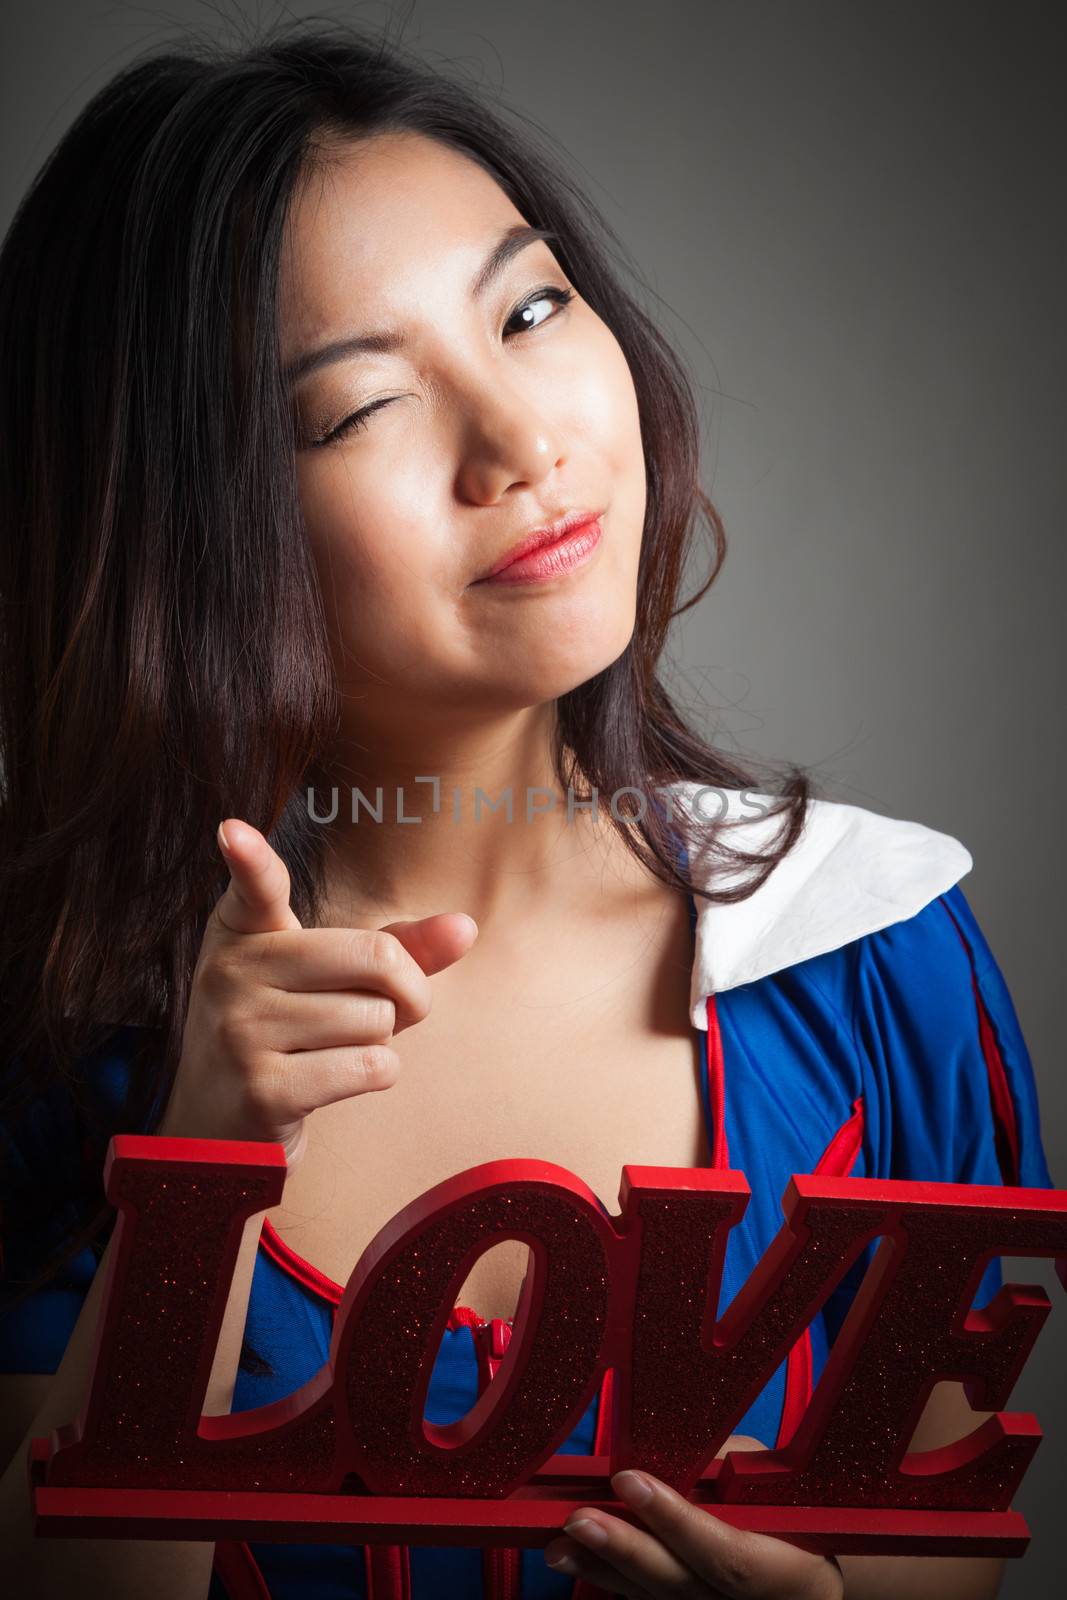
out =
column 851, row 220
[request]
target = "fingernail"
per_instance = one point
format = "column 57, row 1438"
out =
column 586, row 1531
column 633, row 1487
column 562, row 1563
column 224, row 843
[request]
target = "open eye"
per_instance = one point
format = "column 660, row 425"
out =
column 551, row 294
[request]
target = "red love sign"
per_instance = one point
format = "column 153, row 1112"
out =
column 349, row 1456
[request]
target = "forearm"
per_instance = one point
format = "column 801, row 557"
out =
column 53, row 1568
column 921, row 1577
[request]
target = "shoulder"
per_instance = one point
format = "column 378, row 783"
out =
column 861, row 960
column 938, row 1022
column 851, row 873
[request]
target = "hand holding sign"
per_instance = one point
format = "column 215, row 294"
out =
column 682, row 1551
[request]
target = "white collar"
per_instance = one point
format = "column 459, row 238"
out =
column 850, row 873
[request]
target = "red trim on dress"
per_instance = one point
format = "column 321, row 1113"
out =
column 388, row 1571
column 716, row 1075
column 836, row 1161
column 1006, row 1130
column 283, row 1255
column 605, row 1405
column 501, row 1572
column 799, row 1375
column 239, row 1571
column 464, row 1317
column 839, row 1157
column 319, row 1283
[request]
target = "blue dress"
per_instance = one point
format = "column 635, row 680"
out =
column 897, row 1054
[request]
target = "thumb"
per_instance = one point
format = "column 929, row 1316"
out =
column 256, row 899
column 438, row 941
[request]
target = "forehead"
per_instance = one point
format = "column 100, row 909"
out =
column 384, row 218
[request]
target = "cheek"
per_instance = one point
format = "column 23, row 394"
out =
column 603, row 412
column 613, row 408
column 367, row 546
column 624, row 398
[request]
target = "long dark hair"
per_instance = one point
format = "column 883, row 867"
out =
column 163, row 656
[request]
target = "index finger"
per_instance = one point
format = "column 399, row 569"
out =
column 256, row 899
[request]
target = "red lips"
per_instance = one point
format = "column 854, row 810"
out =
column 537, row 537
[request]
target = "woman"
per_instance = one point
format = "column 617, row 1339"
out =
column 302, row 348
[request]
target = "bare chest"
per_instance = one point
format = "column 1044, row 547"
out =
column 591, row 1067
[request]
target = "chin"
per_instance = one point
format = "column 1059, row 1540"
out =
column 583, row 665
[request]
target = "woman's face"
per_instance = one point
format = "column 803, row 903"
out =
column 490, row 421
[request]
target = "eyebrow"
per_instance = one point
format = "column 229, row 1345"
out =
column 387, row 340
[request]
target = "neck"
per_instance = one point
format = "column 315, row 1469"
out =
column 426, row 827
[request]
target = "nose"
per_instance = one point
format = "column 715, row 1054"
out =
column 506, row 442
